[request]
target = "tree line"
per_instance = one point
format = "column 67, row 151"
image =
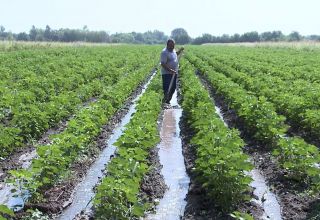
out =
column 180, row 35
column 84, row 35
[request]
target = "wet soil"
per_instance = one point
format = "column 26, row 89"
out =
column 294, row 202
column 304, row 133
column 15, row 161
column 199, row 205
column 153, row 186
column 60, row 196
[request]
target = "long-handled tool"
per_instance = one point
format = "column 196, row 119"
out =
column 170, row 86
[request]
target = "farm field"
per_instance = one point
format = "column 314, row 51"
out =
column 248, row 133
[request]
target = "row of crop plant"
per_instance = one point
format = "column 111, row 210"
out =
column 265, row 125
column 297, row 101
column 118, row 195
column 289, row 64
column 54, row 160
column 36, row 96
column 220, row 164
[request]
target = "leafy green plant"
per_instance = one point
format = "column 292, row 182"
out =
column 220, row 164
column 55, row 159
column 241, row 216
column 117, row 196
column 300, row 159
column 39, row 88
column 5, row 212
column 262, row 121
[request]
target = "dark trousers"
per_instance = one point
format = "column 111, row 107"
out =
column 166, row 79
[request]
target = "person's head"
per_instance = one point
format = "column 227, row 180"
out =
column 170, row 44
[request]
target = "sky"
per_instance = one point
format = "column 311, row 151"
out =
column 215, row 17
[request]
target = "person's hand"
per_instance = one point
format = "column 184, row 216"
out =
column 173, row 71
column 181, row 49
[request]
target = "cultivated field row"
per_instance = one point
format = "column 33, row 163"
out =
column 268, row 124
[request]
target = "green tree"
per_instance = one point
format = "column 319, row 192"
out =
column 2, row 32
column 9, row 36
column 235, row 38
column 252, row 36
column 97, row 36
column 294, row 36
column 314, row 37
column 138, row 37
column 23, row 36
column 271, row 36
column 205, row 38
column 33, row 33
column 154, row 37
column 266, row 36
column 122, row 38
column 225, row 38
column 277, row 36
column 47, row 33
column 180, row 35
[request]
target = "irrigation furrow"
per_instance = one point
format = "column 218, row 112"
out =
column 84, row 191
column 267, row 200
column 172, row 205
column 23, row 159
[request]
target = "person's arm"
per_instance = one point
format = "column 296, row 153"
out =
column 180, row 51
column 166, row 67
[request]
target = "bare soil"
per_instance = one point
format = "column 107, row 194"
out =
column 153, row 186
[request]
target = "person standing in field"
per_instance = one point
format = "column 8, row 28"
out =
column 169, row 69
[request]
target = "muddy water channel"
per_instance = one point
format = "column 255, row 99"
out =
column 172, row 205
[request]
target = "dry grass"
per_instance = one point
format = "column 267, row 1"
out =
column 16, row 45
column 296, row 45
